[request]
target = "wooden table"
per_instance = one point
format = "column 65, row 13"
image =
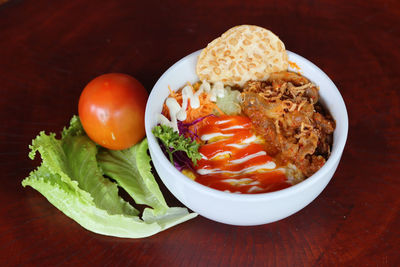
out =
column 49, row 50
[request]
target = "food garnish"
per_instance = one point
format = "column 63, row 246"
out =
column 181, row 150
column 74, row 175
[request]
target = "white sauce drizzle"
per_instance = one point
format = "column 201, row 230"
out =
column 221, row 155
column 238, row 145
column 254, row 188
column 222, row 122
column 248, row 157
column 234, row 127
column 203, row 157
column 177, row 112
column 207, row 137
column 244, row 143
column 269, row 166
column 241, row 182
column 217, row 91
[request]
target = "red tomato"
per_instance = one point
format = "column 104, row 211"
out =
column 111, row 109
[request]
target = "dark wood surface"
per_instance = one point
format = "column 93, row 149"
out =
column 49, row 50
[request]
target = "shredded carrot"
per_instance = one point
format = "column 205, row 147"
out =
column 207, row 107
column 220, row 112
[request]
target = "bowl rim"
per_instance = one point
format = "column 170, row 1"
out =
column 329, row 164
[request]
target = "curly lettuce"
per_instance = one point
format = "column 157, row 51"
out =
column 72, row 177
column 175, row 143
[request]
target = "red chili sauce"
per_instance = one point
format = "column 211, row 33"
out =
column 234, row 159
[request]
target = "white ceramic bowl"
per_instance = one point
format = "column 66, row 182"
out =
column 244, row 209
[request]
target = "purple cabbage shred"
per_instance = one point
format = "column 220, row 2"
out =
column 184, row 127
column 181, row 160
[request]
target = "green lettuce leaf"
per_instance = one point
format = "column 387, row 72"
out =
column 130, row 168
column 71, row 178
column 77, row 205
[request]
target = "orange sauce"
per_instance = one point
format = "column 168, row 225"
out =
column 232, row 160
column 294, row 66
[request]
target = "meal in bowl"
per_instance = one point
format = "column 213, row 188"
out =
column 248, row 125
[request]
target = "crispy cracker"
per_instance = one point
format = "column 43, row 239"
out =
column 241, row 54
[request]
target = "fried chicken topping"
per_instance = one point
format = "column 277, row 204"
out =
column 287, row 113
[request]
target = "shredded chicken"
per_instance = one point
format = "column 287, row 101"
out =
column 286, row 113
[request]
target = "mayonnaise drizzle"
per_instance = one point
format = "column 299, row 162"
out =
column 248, row 157
column 220, row 155
column 174, row 108
column 241, row 182
column 234, row 127
column 254, row 188
column 266, row 166
column 244, row 143
column 207, row 137
column 222, row 122
column 178, row 112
